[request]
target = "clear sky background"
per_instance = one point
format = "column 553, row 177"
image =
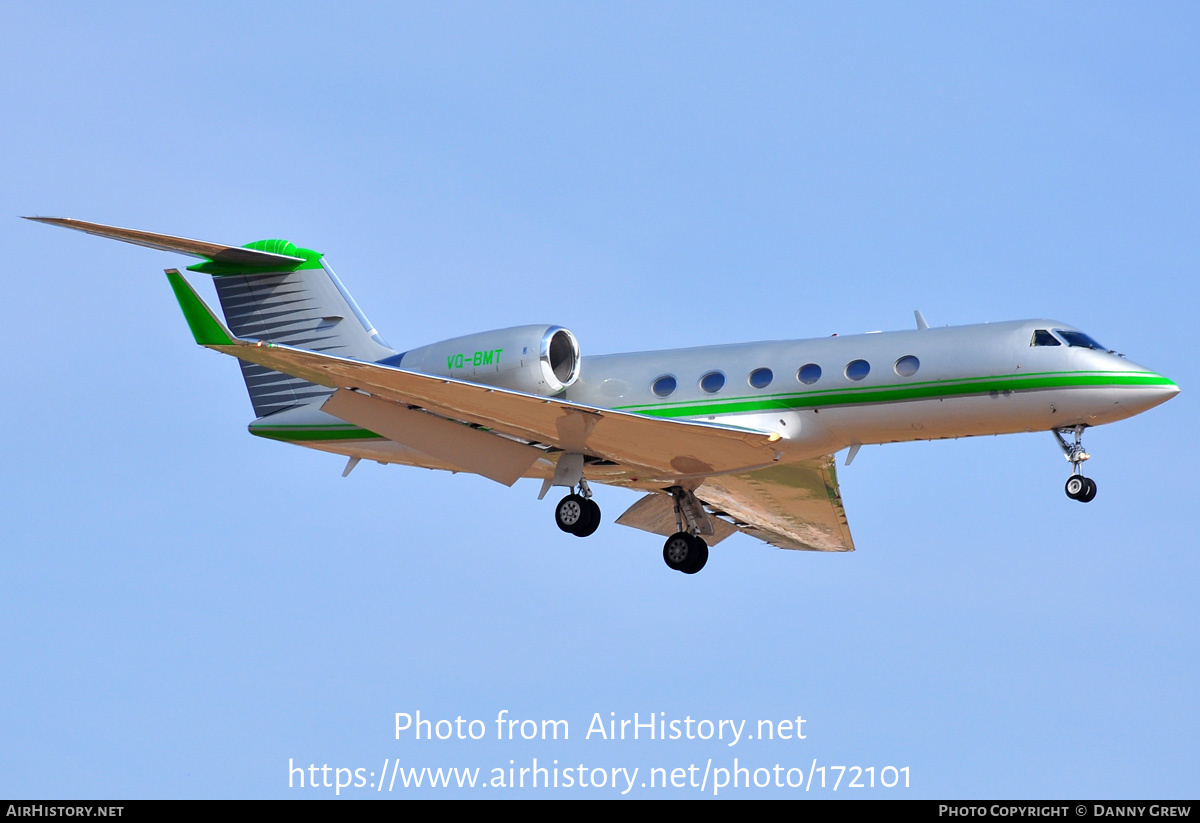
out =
column 185, row 607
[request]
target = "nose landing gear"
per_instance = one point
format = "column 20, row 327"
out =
column 1078, row 487
column 1081, row 488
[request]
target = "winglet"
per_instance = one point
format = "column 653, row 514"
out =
column 205, row 326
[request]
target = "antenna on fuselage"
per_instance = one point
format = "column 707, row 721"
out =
column 921, row 324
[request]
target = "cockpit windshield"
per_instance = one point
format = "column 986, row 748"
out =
column 1078, row 338
column 1041, row 337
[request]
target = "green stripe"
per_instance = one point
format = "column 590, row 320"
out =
column 311, row 434
column 206, row 329
column 310, row 260
column 855, row 395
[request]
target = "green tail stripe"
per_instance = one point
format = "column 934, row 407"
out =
column 309, row 260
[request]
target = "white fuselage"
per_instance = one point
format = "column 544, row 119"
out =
column 922, row 384
column 968, row 380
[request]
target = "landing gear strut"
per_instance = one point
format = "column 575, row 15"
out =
column 685, row 551
column 578, row 514
column 1078, row 487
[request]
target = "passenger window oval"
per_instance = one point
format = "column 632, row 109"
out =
column 809, row 374
column 907, row 366
column 857, row 369
column 664, row 386
column 761, row 378
column 712, row 382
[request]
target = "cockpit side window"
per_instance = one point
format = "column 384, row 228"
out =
column 1078, row 338
column 1041, row 337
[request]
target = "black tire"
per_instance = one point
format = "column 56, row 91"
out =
column 678, row 551
column 697, row 562
column 1089, row 493
column 1076, row 486
column 588, row 528
column 570, row 512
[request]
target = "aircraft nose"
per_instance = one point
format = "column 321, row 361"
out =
column 1146, row 393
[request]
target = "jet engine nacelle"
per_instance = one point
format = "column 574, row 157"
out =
column 540, row 360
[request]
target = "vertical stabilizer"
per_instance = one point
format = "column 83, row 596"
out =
column 305, row 306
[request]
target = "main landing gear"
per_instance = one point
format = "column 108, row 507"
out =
column 1078, row 487
column 578, row 514
column 685, row 551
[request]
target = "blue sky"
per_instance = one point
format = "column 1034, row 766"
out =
column 187, row 609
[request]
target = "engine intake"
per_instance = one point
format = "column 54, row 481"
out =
column 541, row 360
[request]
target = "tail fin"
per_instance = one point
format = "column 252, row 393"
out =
column 270, row 290
column 304, row 306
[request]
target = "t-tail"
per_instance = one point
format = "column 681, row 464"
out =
column 270, row 290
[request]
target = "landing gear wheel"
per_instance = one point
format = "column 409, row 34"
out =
column 1076, row 486
column 701, row 557
column 677, row 549
column 1081, row 488
column 593, row 520
column 572, row 512
column 1090, row 493
column 685, row 553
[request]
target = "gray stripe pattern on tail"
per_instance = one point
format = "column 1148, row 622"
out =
column 305, row 309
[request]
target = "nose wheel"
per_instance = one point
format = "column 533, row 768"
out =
column 1078, row 487
column 1081, row 488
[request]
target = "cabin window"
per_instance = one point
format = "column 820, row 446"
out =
column 1041, row 337
column 761, row 378
column 712, row 382
column 907, row 366
column 664, row 386
column 809, row 374
column 857, row 369
column 1078, row 338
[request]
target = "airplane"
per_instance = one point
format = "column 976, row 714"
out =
column 720, row 439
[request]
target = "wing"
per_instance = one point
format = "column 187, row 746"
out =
column 790, row 506
column 664, row 450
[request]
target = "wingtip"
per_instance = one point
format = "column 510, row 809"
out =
column 65, row 222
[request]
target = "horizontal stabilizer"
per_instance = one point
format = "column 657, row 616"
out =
column 165, row 242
